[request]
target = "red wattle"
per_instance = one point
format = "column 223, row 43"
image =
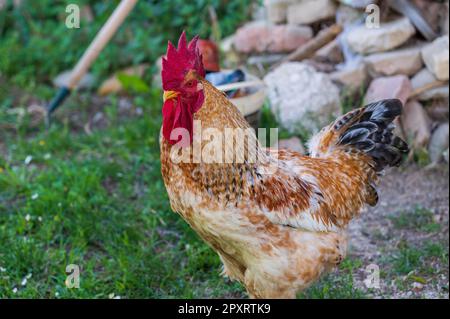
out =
column 177, row 114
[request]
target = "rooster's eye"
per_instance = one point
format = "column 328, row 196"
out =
column 190, row 83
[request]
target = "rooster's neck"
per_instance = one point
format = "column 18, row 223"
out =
column 217, row 111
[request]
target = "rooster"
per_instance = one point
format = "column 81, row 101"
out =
column 277, row 219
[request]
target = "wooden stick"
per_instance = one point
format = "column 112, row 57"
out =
column 101, row 39
column 425, row 88
column 324, row 37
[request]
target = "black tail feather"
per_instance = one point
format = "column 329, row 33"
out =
column 373, row 134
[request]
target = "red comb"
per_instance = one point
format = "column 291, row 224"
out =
column 179, row 61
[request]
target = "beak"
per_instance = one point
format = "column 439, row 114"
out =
column 170, row 95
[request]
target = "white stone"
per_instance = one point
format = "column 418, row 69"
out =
column 435, row 56
column 390, row 35
column 438, row 143
column 302, row 99
column 416, row 124
column 309, row 11
column 422, row 78
column 405, row 61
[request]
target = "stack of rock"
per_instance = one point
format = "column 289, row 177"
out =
column 403, row 56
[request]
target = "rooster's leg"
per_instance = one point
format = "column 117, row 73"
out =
column 232, row 268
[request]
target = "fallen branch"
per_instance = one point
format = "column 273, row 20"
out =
column 306, row 51
column 425, row 88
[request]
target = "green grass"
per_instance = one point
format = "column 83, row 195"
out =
column 437, row 250
column 418, row 258
column 421, row 255
column 94, row 200
column 407, row 259
column 419, row 219
column 97, row 201
column 36, row 44
column 338, row 285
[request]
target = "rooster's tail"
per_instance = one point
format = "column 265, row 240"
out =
column 370, row 130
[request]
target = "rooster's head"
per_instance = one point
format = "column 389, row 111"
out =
column 182, row 69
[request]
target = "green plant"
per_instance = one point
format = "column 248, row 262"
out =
column 36, row 44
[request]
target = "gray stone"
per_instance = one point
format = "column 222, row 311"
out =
column 389, row 36
column 422, row 78
column 302, row 99
column 436, row 57
column 438, row 143
column 405, row 61
column 309, row 11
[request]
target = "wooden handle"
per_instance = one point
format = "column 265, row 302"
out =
column 101, row 39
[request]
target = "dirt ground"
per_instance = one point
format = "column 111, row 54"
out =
column 373, row 237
